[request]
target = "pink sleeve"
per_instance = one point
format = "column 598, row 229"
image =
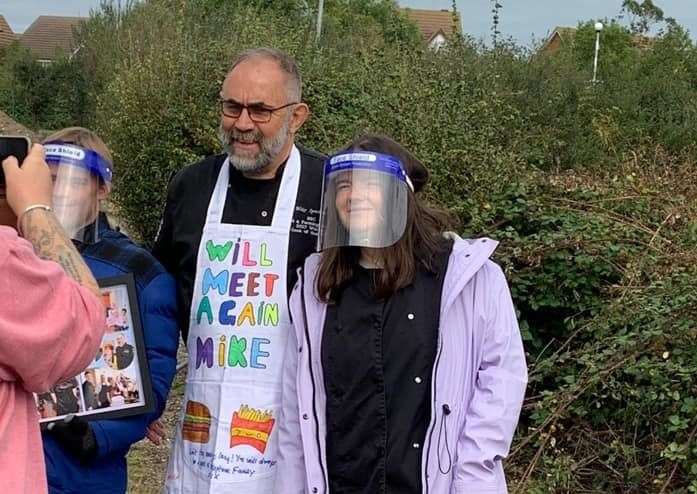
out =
column 50, row 326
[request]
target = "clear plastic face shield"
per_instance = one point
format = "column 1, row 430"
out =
column 364, row 201
column 78, row 176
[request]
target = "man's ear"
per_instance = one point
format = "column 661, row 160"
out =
column 301, row 112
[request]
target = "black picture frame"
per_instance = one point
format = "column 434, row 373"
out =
column 137, row 375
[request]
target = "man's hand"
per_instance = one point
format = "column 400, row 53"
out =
column 156, row 433
column 32, row 184
column 29, row 184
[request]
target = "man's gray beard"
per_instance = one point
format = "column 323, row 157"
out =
column 269, row 147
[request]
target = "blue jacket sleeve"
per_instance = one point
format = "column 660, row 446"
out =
column 158, row 312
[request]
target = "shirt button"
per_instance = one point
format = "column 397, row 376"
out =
column 264, row 214
column 305, row 417
column 417, row 380
column 416, row 445
column 314, row 489
column 410, row 316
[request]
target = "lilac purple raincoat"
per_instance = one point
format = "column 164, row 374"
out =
column 478, row 383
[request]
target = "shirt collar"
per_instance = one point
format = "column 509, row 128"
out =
column 102, row 226
column 234, row 172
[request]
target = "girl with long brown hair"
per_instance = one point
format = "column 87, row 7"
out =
column 406, row 372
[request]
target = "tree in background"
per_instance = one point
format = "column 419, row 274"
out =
column 342, row 17
column 42, row 96
column 643, row 14
column 617, row 50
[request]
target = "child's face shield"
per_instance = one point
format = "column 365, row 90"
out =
column 80, row 178
column 364, row 201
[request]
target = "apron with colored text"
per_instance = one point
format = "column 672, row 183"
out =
column 227, row 439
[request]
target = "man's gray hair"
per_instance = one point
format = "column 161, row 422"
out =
column 285, row 62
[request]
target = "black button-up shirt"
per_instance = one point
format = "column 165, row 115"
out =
column 378, row 358
column 248, row 202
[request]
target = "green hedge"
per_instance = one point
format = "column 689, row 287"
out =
column 41, row 97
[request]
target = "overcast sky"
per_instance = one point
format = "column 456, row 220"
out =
column 521, row 19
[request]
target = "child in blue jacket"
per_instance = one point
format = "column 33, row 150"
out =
column 90, row 456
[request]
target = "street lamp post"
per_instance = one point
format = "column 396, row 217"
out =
column 320, row 13
column 598, row 28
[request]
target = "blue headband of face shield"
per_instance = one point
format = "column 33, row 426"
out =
column 366, row 160
column 62, row 153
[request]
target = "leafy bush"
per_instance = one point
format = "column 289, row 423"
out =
column 44, row 97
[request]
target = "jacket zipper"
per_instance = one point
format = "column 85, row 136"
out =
column 434, row 408
column 312, row 377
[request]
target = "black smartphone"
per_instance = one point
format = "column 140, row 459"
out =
column 17, row 146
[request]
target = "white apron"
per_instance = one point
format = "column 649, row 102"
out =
column 227, row 439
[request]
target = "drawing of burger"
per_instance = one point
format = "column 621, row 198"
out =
column 197, row 422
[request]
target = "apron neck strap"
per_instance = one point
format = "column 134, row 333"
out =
column 285, row 200
column 217, row 203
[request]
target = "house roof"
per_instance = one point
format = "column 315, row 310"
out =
column 9, row 127
column 566, row 34
column 49, row 35
column 431, row 22
column 6, row 34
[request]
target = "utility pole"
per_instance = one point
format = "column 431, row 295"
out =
column 320, row 12
column 598, row 28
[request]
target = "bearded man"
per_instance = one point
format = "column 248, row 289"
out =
column 235, row 229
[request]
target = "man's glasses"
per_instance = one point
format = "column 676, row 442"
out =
column 258, row 113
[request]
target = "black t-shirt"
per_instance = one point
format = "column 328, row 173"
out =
column 378, row 357
column 249, row 201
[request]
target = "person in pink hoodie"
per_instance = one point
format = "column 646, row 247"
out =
column 51, row 316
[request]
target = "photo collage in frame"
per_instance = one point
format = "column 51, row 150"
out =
column 117, row 381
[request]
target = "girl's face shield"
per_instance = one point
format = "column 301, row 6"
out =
column 364, row 201
column 79, row 177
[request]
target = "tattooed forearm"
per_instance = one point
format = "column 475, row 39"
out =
column 67, row 261
column 50, row 242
